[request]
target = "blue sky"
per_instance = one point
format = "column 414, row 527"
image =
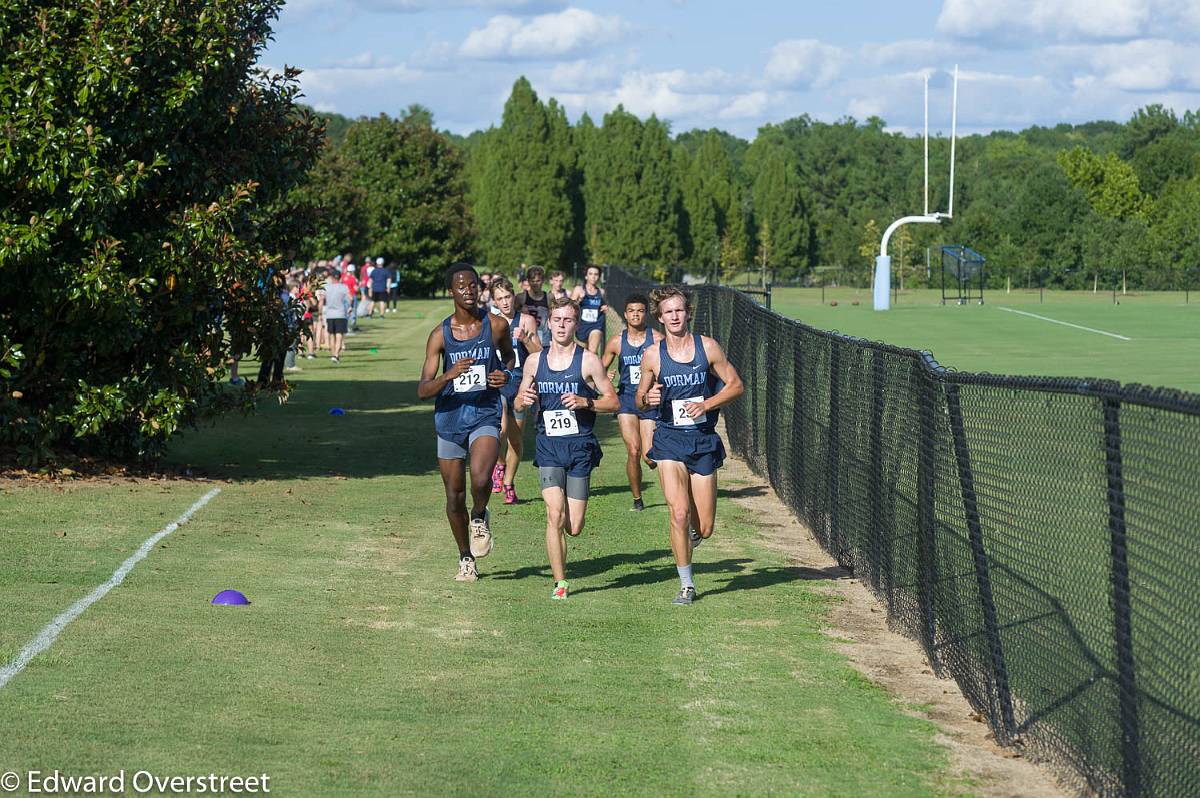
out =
column 738, row 65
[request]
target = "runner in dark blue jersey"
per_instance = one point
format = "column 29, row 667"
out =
column 592, row 307
column 474, row 352
column 687, row 378
column 637, row 426
column 568, row 386
column 524, row 337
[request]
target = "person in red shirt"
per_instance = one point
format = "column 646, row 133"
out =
column 350, row 280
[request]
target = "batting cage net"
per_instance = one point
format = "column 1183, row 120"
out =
column 1040, row 537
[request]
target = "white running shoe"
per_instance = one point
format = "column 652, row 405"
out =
column 481, row 535
column 467, row 572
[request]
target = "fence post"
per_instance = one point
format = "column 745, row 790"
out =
column 926, row 512
column 835, row 539
column 1122, row 609
column 769, row 296
column 878, row 383
column 983, row 579
column 800, row 413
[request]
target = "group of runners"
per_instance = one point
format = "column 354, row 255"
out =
column 502, row 355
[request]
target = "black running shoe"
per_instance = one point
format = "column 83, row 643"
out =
column 686, row 596
column 638, row 506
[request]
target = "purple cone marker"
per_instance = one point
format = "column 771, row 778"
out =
column 230, row 597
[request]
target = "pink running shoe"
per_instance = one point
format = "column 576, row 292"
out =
column 498, row 478
column 510, row 494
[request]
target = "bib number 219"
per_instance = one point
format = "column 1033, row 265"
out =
column 560, row 422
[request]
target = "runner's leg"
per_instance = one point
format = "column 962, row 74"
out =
column 454, row 479
column 647, row 426
column 631, row 434
column 704, row 502
column 483, row 460
column 516, row 447
column 673, row 477
column 595, row 341
column 556, row 545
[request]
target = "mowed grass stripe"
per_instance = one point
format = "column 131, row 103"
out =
column 1165, row 332
column 363, row 668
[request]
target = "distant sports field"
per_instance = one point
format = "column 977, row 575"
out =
column 362, row 668
column 1151, row 338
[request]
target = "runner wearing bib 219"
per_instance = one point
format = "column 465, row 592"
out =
column 567, row 386
column 688, row 378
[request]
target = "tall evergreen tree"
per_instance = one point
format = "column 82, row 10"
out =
column 523, row 200
column 780, row 212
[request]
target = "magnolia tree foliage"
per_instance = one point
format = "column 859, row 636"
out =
column 143, row 172
column 391, row 188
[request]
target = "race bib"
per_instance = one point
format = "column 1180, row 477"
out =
column 682, row 419
column 471, row 380
column 590, row 314
column 635, row 375
column 560, row 422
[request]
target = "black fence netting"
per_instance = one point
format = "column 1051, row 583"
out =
column 1039, row 537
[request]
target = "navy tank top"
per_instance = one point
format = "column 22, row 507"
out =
column 518, row 346
column 631, row 362
column 589, row 306
column 553, row 417
column 468, row 402
column 683, row 381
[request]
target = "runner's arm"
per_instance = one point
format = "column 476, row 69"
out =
column 649, row 392
column 611, row 350
column 532, row 342
column 526, row 395
column 432, row 383
column 594, row 372
column 725, row 370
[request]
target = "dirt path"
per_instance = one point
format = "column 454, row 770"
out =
column 897, row 663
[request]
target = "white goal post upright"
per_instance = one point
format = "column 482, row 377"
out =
column 883, row 263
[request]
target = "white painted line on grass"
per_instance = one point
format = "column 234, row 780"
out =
column 1065, row 323
column 50, row 633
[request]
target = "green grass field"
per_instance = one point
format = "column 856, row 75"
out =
column 362, row 668
column 1164, row 333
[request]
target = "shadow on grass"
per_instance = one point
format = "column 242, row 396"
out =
column 742, row 577
column 385, row 431
column 593, row 566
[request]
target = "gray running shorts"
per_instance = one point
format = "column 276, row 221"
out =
column 575, row 487
column 449, row 450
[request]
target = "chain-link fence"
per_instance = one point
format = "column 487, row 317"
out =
column 1040, row 537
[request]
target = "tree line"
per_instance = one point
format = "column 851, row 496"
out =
column 1067, row 206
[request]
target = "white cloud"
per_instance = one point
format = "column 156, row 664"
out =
column 330, row 87
column 916, row 53
column 667, row 94
column 746, row 106
column 804, row 63
column 1137, row 66
column 674, row 94
column 547, row 36
column 1028, row 22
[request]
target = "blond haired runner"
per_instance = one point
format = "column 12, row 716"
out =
column 569, row 386
column 687, row 377
column 523, row 333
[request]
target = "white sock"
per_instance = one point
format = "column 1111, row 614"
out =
column 685, row 575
